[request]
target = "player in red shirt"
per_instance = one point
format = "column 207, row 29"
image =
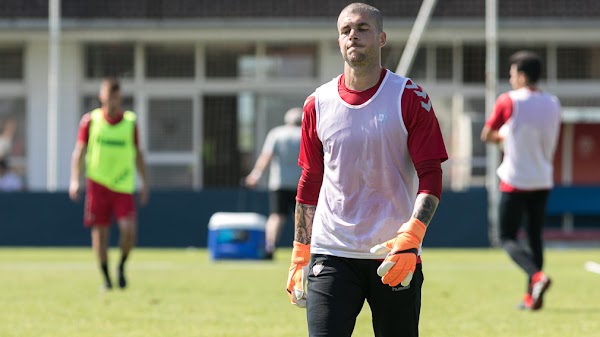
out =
column 114, row 145
column 371, row 155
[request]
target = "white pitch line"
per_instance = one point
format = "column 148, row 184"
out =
column 592, row 266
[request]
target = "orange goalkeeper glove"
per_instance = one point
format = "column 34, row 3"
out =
column 399, row 265
column 298, row 276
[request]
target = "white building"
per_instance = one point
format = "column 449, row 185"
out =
column 209, row 79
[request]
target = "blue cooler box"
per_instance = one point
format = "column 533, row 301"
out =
column 236, row 236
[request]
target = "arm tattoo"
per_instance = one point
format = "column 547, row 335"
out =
column 303, row 222
column 425, row 207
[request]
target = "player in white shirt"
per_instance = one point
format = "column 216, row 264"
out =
column 526, row 121
column 280, row 156
column 371, row 155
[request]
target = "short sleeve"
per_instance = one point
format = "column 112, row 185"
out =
column 84, row 129
column 269, row 145
column 502, row 112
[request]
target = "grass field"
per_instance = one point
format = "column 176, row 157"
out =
column 181, row 293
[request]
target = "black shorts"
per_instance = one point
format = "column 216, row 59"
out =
column 337, row 292
column 282, row 201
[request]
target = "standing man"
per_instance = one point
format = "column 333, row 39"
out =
column 113, row 155
column 281, row 149
column 9, row 180
column 371, row 155
column 527, row 121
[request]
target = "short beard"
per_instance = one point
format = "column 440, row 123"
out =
column 356, row 59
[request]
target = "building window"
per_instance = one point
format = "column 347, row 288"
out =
column 170, row 61
column 474, row 63
column 109, row 59
column 581, row 63
column 178, row 177
column 11, row 63
column 475, row 110
column 227, row 61
column 170, row 125
column 443, row 63
column 221, row 157
column 291, row 61
column 391, row 55
column 418, row 69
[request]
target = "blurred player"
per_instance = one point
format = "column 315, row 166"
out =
column 9, row 129
column 9, row 180
column 527, row 121
column 371, row 155
column 110, row 137
column 280, row 149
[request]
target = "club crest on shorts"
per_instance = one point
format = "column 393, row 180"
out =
column 317, row 268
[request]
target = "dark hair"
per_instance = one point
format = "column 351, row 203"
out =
column 4, row 163
column 112, row 83
column 529, row 63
